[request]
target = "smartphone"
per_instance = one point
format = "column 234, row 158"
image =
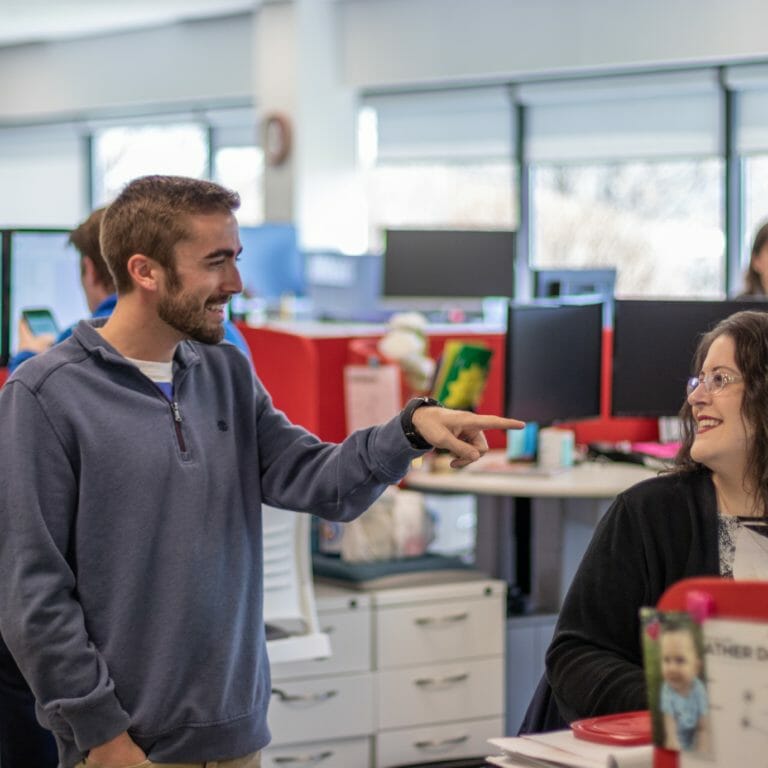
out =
column 40, row 320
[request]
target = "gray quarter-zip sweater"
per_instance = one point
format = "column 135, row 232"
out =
column 131, row 546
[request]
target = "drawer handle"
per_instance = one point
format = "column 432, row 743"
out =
column 426, row 621
column 307, row 698
column 442, row 743
column 428, row 682
column 304, row 759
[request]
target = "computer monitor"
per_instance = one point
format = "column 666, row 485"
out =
column 421, row 263
column 553, row 361
column 271, row 264
column 653, row 347
column 552, row 283
column 43, row 270
column 342, row 286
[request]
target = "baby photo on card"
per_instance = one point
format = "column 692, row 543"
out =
column 673, row 653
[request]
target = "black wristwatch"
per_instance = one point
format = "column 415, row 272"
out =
column 406, row 419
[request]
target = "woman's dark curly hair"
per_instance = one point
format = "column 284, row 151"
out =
column 749, row 331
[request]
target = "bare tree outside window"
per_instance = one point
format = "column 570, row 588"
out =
column 124, row 153
column 440, row 195
column 658, row 223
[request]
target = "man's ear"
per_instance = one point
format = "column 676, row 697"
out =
column 144, row 271
column 87, row 271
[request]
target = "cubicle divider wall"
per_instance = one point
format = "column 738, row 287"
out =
column 302, row 366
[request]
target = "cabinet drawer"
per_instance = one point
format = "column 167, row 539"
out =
column 437, row 742
column 440, row 631
column 319, row 708
column 462, row 690
column 350, row 634
column 346, row 753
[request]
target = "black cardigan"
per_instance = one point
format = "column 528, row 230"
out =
column 654, row 534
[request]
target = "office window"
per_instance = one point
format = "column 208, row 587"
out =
column 238, row 160
column 755, row 170
column 242, row 169
column 433, row 195
column 438, row 159
column 41, row 175
column 122, row 153
column 658, row 223
column 625, row 173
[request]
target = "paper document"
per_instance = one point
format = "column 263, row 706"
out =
column 561, row 749
column 371, row 395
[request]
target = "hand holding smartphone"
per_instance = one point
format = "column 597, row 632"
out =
column 38, row 329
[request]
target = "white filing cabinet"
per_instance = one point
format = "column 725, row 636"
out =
column 416, row 674
column 439, row 655
column 322, row 710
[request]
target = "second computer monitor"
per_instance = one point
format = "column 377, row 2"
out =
column 449, row 263
column 553, row 361
column 653, row 347
column 552, row 283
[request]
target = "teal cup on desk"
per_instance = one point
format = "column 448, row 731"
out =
column 522, row 443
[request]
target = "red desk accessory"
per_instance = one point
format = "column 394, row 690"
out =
column 627, row 729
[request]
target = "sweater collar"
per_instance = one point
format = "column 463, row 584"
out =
column 92, row 341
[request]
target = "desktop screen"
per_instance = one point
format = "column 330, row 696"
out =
column 653, row 347
column 551, row 283
column 449, row 263
column 271, row 264
column 553, row 361
column 44, row 271
column 341, row 286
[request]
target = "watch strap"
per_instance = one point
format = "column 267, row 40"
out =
column 406, row 419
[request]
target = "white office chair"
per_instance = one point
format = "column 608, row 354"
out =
column 293, row 631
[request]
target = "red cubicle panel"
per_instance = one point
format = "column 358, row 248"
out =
column 305, row 375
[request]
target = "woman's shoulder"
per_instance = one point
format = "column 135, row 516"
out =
column 671, row 488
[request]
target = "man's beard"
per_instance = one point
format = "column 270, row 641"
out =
column 187, row 316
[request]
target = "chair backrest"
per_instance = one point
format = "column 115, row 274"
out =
column 289, row 596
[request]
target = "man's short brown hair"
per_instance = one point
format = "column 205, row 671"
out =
column 86, row 239
column 150, row 216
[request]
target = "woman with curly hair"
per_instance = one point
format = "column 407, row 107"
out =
column 706, row 517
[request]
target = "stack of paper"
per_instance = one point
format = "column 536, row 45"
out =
column 561, row 749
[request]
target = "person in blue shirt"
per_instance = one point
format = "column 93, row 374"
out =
column 23, row 742
column 100, row 296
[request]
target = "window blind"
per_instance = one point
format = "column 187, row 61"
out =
column 468, row 124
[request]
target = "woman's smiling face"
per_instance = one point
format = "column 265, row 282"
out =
column 722, row 436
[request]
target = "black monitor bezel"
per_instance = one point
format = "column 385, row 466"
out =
column 584, row 367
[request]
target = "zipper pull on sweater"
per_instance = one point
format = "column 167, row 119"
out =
column 177, row 419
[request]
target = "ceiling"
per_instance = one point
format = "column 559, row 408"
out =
column 25, row 21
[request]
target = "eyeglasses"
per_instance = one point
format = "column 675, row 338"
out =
column 713, row 383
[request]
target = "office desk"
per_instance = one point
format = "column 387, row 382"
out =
column 590, row 480
column 565, row 507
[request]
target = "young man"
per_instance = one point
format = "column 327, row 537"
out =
column 136, row 456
